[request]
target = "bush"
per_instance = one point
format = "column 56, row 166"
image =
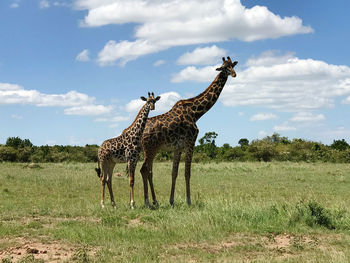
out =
column 263, row 150
column 313, row 214
column 8, row 154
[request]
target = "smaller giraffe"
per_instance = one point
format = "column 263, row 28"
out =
column 125, row 147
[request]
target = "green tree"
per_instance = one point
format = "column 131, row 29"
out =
column 244, row 142
column 17, row 142
column 208, row 138
column 207, row 144
column 14, row 142
column 340, row 145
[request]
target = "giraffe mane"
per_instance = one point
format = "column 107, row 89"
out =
column 133, row 123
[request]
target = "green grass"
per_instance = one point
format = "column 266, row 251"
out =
column 241, row 212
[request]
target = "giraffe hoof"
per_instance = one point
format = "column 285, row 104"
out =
column 132, row 204
column 155, row 203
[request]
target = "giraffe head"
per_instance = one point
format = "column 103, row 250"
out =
column 228, row 67
column 151, row 100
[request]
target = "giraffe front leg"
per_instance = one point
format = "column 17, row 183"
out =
column 188, row 162
column 176, row 161
column 132, row 166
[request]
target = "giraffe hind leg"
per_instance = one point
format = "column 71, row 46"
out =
column 106, row 178
column 131, row 172
column 144, row 172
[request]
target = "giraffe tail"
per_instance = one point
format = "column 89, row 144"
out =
column 98, row 170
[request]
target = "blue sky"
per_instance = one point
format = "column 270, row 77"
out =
column 72, row 72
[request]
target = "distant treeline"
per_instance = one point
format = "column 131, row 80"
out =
column 270, row 148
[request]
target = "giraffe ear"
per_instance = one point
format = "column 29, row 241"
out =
column 219, row 69
column 235, row 63
column 143, row 98
column 157, row 98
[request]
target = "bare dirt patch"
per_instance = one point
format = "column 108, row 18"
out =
column 18, row 248
column 48, row 220
column 278, row 246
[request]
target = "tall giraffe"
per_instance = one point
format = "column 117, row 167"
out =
column 125, row 147
column 177, row 131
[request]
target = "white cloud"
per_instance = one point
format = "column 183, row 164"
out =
column 202, row 56
column 269, row 58
column 114, row 119
column 44, row 4
column 192, row 73
column 16, row 116
column 346, row 101
column 166, row 102
column 159, row 63
column 83, row 56
column 90, row 110
column 307, row 117
column 125, row 51
column 169, row 23
column 263, row 117
column 283, row 128
column 61, row 4
column 75, row 102
column 9, row 87
column 293, row 84
column 262, row 134
column 14, row 5
column 336, row 133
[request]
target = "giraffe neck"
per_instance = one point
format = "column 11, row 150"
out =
column 200, row 104
column 138, row 125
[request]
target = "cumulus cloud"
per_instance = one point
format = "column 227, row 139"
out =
column 280, row 81
column 90, row 110
column 159, row 63
column 44, row 4
column 269, row 58
column 293, row 84
column 284, row 128
column 75, row 103
column 125, row 51
column 168, row 23
column 263, row 117
column 262, row 134
column 194, row 74
column 15, row 4
column 16, row 116
column 114, row 119
column 307, row 117
column 83, row 56
column 167, row 100
column 202, row 56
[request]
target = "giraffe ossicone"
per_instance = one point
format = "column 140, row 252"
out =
column 126, row 148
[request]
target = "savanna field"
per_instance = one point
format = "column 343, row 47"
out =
column 241, row 212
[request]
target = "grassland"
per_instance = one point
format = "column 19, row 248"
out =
column 241, row 212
